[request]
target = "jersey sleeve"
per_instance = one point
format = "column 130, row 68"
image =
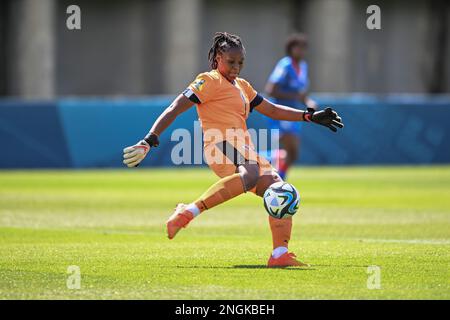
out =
column 278, row 74
column 201, row 90
column 253, row 96
column 248, row 89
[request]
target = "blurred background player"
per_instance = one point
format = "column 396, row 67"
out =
column 288, row 85
column 224, row 102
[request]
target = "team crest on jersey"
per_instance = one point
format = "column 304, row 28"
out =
column 198, row 84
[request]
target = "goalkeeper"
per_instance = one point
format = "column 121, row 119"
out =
column 224, row 102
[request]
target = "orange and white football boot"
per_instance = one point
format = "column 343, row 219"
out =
column 179, row 219
column 287, row 259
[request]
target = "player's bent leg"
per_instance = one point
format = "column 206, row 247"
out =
column 264, row 181
column 229, row 187
column 223, row 190
column 250, row 175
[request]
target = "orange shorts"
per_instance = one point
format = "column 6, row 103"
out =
column 224, row 157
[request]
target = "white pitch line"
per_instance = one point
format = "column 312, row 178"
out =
column 410, row 241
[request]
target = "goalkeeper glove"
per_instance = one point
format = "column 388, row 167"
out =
column 328, row 118
column 134, row 155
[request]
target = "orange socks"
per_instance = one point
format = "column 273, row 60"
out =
column 281, row 231
column 223, row 190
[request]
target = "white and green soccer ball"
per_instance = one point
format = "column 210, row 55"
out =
column 281, row 200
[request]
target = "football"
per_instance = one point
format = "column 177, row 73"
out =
column 281, row 200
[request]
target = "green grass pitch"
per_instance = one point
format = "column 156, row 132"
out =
column 111, row 225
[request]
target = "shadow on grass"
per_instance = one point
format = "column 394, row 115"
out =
column 255, row 266
column 263, row 266
column 341, row 266
column 259, row 266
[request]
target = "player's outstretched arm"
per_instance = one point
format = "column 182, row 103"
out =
column 328, row 117
column 133, row 155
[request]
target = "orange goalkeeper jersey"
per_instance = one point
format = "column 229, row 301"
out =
column 222, row 105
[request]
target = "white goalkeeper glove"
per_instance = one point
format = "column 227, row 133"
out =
column 133, row 155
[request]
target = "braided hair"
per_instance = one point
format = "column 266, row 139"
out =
column 223, row 41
